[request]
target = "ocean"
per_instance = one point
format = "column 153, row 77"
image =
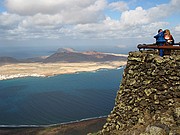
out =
column 59, row 99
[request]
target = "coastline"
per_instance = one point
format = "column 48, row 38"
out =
column 85, row 126
column 53, row 125
column 11, row 71
column 8, row 77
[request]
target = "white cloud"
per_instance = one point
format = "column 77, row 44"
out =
column 140, row 16
column 120, row 6
column 176, row 33
column 177, row 28
column 49, row 18
column 108, row 29
column 82, row 19
column 9, row 20
column 41, row 20
column 135, row 17
column 32, row 7
column 175, row 5
column 71, row 11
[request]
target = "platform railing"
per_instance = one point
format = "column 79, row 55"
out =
column 175, row 46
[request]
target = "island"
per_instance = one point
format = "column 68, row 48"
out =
column 64, row 61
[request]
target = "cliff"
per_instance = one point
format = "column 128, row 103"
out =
column 148, row 101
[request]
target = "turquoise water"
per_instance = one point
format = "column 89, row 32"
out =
column 58, row 99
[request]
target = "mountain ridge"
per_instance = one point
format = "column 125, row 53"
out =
column 7, row 59
column 68, row 55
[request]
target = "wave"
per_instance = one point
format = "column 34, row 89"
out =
column 51, row 125
column 94, row 71
column 121, row 67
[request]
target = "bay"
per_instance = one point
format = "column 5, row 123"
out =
column 58, row 99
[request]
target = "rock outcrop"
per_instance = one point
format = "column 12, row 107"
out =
column 148, row 101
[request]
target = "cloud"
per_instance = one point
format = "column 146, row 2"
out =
column 140, row 16
column 81, row 19
column 176, row 32
column 71, row 11
column 42, row 20
column 122, row 46
column 177, row 28
column 175, row 5
column 134, row 17
column 114, row 29
column 49, row 18
column 32, row 7
column 9, row 20
column 107, row 29
column 119, row 6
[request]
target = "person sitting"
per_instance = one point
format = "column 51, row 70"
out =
column 160, row 40
column 168, row 37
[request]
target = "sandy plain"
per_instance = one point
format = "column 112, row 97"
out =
column 10, row 71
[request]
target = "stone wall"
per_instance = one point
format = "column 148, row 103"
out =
column 148, row 101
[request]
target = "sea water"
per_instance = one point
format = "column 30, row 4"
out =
column 35, row 101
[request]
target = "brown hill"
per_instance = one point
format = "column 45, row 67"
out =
column 68, row 55
column 73, row 56
column 4, row 60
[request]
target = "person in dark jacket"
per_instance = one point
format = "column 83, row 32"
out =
column 160, row 40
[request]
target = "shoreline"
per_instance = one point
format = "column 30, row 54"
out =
column 9, row 77
column 79, row 127
column 20, row 70
column 52, row 125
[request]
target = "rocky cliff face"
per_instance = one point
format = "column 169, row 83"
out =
column 148, row 101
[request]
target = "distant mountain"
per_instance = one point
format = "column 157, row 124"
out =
column 35, row 59
column 66, row 50
column 4, row 60
column 69, row 55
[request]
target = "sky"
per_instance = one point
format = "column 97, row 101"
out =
column 103, row 25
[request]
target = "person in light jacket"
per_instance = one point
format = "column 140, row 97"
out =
column 160, row 40
column 169, row 41
column 168, row 37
